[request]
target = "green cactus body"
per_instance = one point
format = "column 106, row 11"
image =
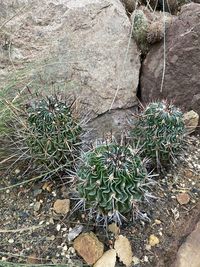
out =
column 110, row 177
column 160, row 131
column 52, row 134
column 140, row 28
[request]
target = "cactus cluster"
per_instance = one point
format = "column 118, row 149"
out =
column 51, row 134
column 160, row 131
column 110, row 177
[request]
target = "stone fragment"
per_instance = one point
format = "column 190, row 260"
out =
column 89, row 247
column 123, row 249
column 114, row 228
column 33, row 259
column 153, row 240
column 188, row 254
column 188, row 173
column 74, row 232
column 191, row 119
column 157, row 221
column 183, row 198
column 58, row 227
column 136, row 260
column 108, row 259
column 37, row 206
column 47, row 186
column 61, row 206
column 37, row 192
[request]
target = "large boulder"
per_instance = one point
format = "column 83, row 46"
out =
column 82, row 48
column 181, row 82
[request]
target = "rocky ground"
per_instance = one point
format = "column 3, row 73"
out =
column 37, row 228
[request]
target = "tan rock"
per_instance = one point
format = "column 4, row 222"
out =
column 108, row 259
column 89, row 247
column 114, row 228
column 183, row 198
column 33, row 259
column 157, row 221
column 62, row 206
column 188, row 173
column 123, row 249
column 191, row 119
column 153, row 240
column 189, row 253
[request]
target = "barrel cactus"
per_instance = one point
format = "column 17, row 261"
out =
column 52, row 134
column 110, row 178
column 160, row 131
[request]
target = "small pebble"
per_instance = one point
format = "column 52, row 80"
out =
column 148, row 247
column 17, row 171
column 71, row 250
column 54, row 193
column 58, row 226
column 36, row 192
column 183, row 198
column 51, row 238
column 65, row 248
column 153, row 240
column 37, row 206
column 136, row 260
column 11, row 241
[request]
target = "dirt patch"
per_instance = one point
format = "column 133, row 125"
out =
column 31, row 232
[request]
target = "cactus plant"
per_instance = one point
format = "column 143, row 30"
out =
column 51, row 133
column 140, row 29
column 160, row 130
column 110, row 178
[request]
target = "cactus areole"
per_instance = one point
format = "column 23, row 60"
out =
column 110, row 177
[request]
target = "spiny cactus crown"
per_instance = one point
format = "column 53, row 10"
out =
column 109, row 178
column 52, row 134
column 160, row 130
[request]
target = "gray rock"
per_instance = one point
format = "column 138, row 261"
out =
column 74, row 232
column 37, row 206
